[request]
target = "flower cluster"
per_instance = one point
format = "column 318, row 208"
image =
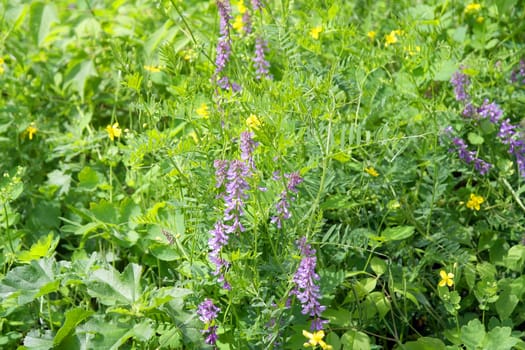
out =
column 207, row 312
column 507, row 134
column 283, row 205
column 518, row 75
column 460, row 81
column 475, row 202
column 232, row 177
column 470, row 156
column 306, row 289
column 224, row 47
column 515, row 140
column 261, row 64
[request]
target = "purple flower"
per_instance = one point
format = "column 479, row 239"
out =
column 261, row 64
column 293, row 180
column 460, row 82
column 236, row 194
column 283, row 204
column 248, row 145
column 490, row 110
column 221, row 168
column 223, row 54
column 225, row 16
column 257, row 5
column 208, row 312
column 518, row 73
column 306, row 289
column 469, row 110
column 247, row 22
column 470, row 156
column 510, row 136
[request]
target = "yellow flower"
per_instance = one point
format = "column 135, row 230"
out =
column 316, row 338
column 447, row 279
column 238, row 23
column 253, row 122
column 2, row 69
column 471, row 8
column 152, row 69
column 203, row 111
column 371, row 171
column 315, row 31
column 371, row 35
column 474, row 202
column 391, row 38
column 113, row 131
column 412, row 50
column 31, row 130
column 240, row 6
column 480, row 19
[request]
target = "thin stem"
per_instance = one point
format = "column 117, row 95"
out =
column 9, row 239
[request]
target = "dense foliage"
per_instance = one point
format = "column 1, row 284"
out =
column 271, row 174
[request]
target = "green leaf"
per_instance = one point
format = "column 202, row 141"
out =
column 381, row 303
column 506, row 304
column 515, row 258
column 73, row 318
column 88, row 178
column 43, row 248
column 397, row 233
column 499, row 338
column 475, row 139
column 378, row 266
column 338, row 317
column 424, row 343
column 472, row 334
column 61, row 180
column 25, row 283
column 42, row 16
column 78, row 73
column 113, row 288
column 104, row 211
column 38, row 340
column 355, row 340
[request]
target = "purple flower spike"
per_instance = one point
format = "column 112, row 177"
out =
column 221, row 168
column 518, row 75
column 236, row 194
column 257, row 5
column 306, row 289
column 225, row 16
column 283, row 205
column 261, row 64
column 460, row 81
column 490, row 110
column 470, row 156
column 208, row 312
column 248, row 145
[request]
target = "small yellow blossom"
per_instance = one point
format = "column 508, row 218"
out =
column 412, row 51
column 316, row 338
column 471, row 8
column 152, row 69
column 240, row 6
column 2, row 69
column 480, row 19
column 474, row 202
column 113, row 131
column 371, row 35
column 238, row 24
column 447, row 279
column 31, row 130
column 253, row 122
column 371, row 171
column 392, row 38
column 315, row 31
column 189, row 55
column 203, row 111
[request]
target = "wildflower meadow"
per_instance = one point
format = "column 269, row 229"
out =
column 262, row 174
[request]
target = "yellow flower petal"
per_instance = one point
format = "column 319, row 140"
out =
column 314, row 32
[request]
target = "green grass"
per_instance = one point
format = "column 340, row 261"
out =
column 105, row 240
